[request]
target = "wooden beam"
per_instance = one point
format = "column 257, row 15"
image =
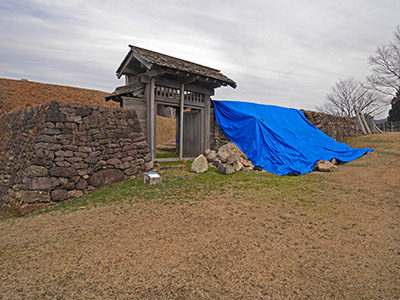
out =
column 359, row 121
column 181, row 109
column 152, row 129
column 189, row 87
column 189, row 79
column 207, row 114
column 141, row 60
column 126, row 63
column 366, row 125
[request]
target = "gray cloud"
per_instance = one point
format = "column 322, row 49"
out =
column 280, row 52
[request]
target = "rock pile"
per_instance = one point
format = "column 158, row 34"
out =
column 228, row 159
column 325, row 166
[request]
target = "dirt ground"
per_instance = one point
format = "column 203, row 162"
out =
column 316, row 236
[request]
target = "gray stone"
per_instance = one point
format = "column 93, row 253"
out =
column 245, row 162
column 55, row 116
column 216, row 162
column 232, row 158
column 211, row 156
column 149, row 165
column 325, row 166
column 36, row 171
column 40, row 183
column 83, row 112
column 200, row 164
column 64, row 153
column 75, row 193
column 99, row 165
column 225, row 169
column 81, row 184
column 59, row 195
column 50, row 131
column 131, row 171
column 85, row 149
column 32, row 196
column 105, row 177
column 237, row 164
column 113, row 161
column 74, row 159
column 44, row 154
column 74, row 118
column 66, row 172
column 124, row 165
column 223, row 155
column 147, row 158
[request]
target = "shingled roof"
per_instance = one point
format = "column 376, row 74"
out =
column 150, row 58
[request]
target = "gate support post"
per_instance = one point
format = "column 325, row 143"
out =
column 181, row 108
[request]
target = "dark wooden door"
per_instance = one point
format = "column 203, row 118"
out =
column 192, row 133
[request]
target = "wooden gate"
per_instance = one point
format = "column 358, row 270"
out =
column 192, row 133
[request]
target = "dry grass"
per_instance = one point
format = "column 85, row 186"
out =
column 208, row 236
column 166, row 132
column 18, row 94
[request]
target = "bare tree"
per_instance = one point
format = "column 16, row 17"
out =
column 348, row 94
column 386, row 67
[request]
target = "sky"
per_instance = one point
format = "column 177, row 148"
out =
column 280, row 52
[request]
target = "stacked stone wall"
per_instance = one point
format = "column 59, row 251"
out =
column 336, row 127
column 56, row 151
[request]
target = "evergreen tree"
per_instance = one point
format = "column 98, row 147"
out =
column 394, row 112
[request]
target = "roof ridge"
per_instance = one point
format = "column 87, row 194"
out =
column 173, row 57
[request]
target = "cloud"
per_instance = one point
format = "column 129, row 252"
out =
column 280, row 52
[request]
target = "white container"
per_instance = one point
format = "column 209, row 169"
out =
column 152, row 178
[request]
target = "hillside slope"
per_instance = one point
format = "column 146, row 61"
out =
column 18, row 94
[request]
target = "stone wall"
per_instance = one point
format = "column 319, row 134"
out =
column 217, row 137
column 56, row 151
column 337, row 127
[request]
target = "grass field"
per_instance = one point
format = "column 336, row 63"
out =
column 250, row 235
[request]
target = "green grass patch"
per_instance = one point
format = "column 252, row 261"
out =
column 388, row 153
column 180, row 185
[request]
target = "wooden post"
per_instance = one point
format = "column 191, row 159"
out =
column 152, row 129
column 181, row 108
column 207, row 115
column 365, row 123
column 359, row 121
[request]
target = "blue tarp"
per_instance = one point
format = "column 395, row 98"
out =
column 280, row 140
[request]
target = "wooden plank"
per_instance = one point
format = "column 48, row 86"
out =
column 181, row 109
column 141, row 60
column 360, row 123
column 152, row 128
column 189, row 87
column 202, row 132
column 366, row 126
column 126, row 63
column 207, row 122
column 377, row 128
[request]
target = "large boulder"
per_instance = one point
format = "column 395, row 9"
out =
column 325, row 166
column 105, row 177
column 225, row 169
column 200, row 164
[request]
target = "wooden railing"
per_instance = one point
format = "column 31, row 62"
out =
column 174, row 93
